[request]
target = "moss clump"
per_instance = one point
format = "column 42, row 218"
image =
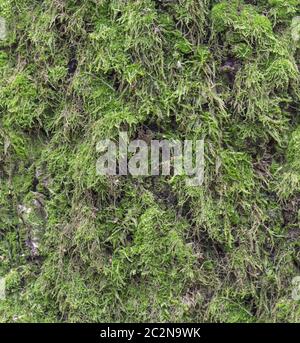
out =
column 284, row 9
column 75, row 246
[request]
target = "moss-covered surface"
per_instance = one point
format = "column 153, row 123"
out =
column 75, row 246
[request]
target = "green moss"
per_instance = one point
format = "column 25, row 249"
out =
column 77, row 247
column 20, row 93
column 245, row 22
column 290, row 177
column 230, row 310
column 281, row 72
column 283, row 9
